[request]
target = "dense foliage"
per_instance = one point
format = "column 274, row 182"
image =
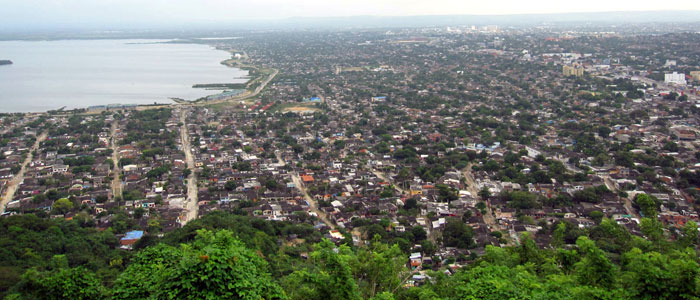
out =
column 228, row 256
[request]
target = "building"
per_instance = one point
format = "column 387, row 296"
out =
column 575, row 70
column 675, row 78
column 695, row 75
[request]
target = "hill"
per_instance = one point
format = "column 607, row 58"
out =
column 230, row 256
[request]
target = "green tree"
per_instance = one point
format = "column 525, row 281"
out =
column 230, row 185
column 76, row 283
column 457, row 234
column 653, row 275
column 594, row 268
column 378, row 268
column 62, row 206
column 330, row 276
column 689, row 235
column 647, row 204
column 214, row 266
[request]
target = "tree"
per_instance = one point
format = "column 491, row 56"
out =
column 484, row 193
column 521, row 199
column 419, row 234
column 378, row 268
column 76, row 283
column 446, row 193
column 62, row 206
column 492, row 282
column 594, row 268
column 689, row 235
column 410, row 203
column 597, row 216
column 457, row 234
column 230, row 185
column 329, row 277
column 653, row 275
column 647, row 204
column 139, row 212
column 214, row 266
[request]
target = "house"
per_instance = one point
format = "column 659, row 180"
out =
column 62, row 169
column 307, row 178
column 131, row 237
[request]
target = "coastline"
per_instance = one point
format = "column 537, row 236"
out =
column 213, row 89
column 253, row 88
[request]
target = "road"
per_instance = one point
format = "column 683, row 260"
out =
column 312, row 203
column 302, row 189
column 117, row 188
column 383, row 177
column 279, row 158
column 191, row 205
column 489, row 219
column 627, row 203
column 19, row 177
column 245, row 95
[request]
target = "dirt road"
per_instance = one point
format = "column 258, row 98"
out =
column 383, row 177
column 191, row 205
column 19, row 177
column 116, row 171
column 627, row 203
column 472, row 188
column 312, row 203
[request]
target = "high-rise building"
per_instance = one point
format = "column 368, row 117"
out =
column 575, row 70
column 675, row 78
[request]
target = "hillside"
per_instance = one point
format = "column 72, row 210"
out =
column 230, row 256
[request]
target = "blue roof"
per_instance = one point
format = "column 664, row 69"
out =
column 133, row 235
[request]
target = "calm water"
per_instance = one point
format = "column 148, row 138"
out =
column 51, row 74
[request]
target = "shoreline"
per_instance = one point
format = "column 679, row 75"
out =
column 264, row 78
column 174, row 101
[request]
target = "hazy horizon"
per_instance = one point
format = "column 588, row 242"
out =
column 102, row 15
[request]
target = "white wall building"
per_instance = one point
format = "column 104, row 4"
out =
column 675, row 78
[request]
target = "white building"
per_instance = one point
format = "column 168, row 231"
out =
column 675, row 78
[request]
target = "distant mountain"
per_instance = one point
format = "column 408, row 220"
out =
column 5, row 62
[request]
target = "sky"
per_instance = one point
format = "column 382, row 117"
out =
column 36, row 13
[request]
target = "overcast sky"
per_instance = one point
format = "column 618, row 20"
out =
column 115, row 12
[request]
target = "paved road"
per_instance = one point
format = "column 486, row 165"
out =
column 116, row 171
column 19, row 177
column 245, row 95
column 191, row 205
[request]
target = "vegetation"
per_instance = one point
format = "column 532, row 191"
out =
column 227, row 256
